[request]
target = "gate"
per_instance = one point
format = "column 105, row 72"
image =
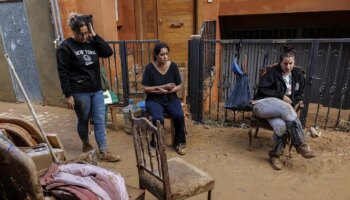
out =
column 325, row 61
column 126, row 66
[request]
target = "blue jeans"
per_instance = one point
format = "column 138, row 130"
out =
column 276, row 112
column 91, row 104
column 174, row 109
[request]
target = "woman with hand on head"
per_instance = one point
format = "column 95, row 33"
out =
column 79, row 74
column 279, row 90
column 161, row 81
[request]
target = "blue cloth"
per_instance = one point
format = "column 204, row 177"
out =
column 236, row 68
column 142, row 105
column 91, row 104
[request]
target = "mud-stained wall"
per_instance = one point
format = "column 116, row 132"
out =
column 42, row 37
column 42, row 32
column 6, row 89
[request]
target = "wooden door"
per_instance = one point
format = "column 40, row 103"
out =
column 175, row 26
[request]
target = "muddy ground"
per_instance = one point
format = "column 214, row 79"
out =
column 222, row 152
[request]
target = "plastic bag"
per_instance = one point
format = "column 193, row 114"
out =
column 240, row 96
column 110, row 97
column 236, row 68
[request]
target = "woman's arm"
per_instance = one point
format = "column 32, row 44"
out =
column 267, row 86
column 160, row 89
column 299, row 92
column 103, row 48
column 63, row 63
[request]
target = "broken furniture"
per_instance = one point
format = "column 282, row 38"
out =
column 22, row 166
column 165, row 179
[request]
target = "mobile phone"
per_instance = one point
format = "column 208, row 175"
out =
column 88, row 19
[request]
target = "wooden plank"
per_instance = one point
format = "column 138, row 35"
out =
column 135, row 193
column 54, row 140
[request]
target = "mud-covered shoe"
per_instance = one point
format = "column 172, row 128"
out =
column 276, row 163
column 87, row 147
column 305, row 151
column 181, row 149
column 108, row 157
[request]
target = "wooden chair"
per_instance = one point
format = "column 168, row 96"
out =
column 257, row 123
column 165, row 179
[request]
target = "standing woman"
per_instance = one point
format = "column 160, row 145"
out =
column 79, row 74
column 161, row 81
column 279, row 90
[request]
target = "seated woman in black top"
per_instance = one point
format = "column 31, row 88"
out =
column 161, row 81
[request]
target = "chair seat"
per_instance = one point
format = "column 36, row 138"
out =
column 186, row 180
column 260, row 122
column 135, row 193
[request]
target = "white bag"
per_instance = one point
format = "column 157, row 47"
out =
column 107, row 97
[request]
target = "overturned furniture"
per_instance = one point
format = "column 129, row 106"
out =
column 165, row 179
column 19, row 178
column 24, row 157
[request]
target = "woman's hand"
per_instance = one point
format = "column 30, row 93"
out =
column 69, row 102
column 287, row 99
column 168, row 86
column 160, row 90
column 91, row 30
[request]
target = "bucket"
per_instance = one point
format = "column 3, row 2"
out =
column 136, row 112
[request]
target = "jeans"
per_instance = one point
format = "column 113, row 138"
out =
column 276, row 112
column 91, row 104
column 174, row 109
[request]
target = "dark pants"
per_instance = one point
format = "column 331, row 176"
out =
column 174, row 109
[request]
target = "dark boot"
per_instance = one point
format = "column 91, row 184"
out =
column 296, row 133
column 298, row 140
column 277, row 151
column 305, row 151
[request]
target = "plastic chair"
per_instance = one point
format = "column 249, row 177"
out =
column 165, row 179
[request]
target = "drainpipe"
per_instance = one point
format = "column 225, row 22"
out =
column 57, row 22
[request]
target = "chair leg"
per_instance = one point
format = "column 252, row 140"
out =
column 172, row 132
column 256, row 132
column 113, row 117
column 250, row 135
column 250, row 139
column 209, row 195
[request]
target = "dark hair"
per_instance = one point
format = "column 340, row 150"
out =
column 157, row 49
column 76, row 21
column 287, row 51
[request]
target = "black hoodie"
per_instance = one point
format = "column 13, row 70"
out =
column 78, row 64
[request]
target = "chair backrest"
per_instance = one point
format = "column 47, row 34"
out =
column 18, row 178
column 151, row 159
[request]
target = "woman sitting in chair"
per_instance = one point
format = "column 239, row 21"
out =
column 161, row 81
column 279, row 90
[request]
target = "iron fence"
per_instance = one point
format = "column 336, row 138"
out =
column 125, row 67
column 325, row 61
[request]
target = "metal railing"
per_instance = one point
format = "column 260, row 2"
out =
column 125, row 67
column 325, row 61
